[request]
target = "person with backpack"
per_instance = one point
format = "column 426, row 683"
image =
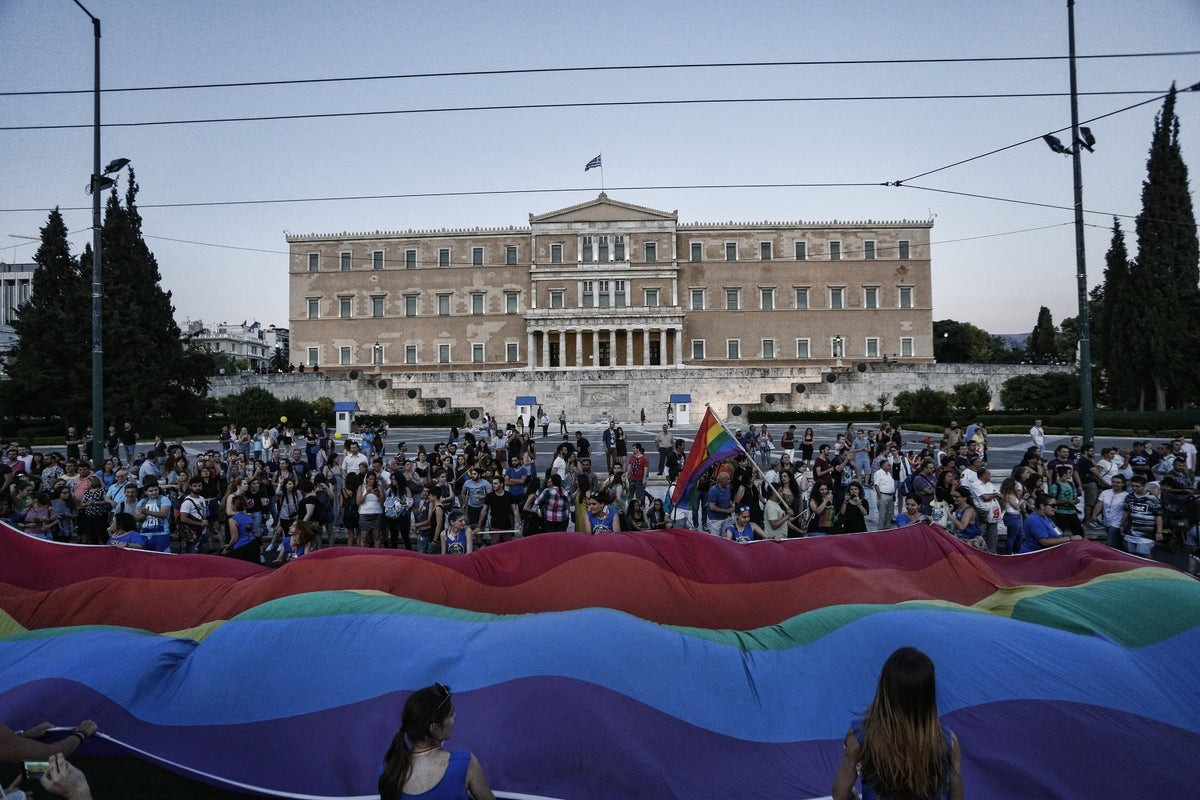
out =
column 554, row 505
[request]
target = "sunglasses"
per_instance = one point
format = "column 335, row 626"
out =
column 445, row 699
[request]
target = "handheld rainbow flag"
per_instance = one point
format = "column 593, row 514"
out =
column 712, row 444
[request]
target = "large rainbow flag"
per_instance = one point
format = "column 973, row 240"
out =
column 712, row 444
column 642, row 665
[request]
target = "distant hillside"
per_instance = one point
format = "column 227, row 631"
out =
column 1018, row 340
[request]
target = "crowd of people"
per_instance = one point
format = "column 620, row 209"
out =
column 280, row 492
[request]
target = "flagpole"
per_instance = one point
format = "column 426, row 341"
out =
column 602, row 170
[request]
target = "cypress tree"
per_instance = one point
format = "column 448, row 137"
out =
column 1042, row 342
column 49, row 364
column 1115, row 349
column 1167, row 269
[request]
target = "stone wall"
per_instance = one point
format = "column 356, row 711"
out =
column 594, row 394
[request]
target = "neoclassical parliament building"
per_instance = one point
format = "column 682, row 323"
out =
column 611, row 285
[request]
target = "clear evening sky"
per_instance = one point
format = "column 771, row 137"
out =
column 994, row 262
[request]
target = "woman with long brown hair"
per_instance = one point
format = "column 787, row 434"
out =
column 900, row 747
column 416, row 764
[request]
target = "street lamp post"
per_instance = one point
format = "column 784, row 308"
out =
column 98, row 183
column 1085, row 344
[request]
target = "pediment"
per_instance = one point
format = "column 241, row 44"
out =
column 604, row 209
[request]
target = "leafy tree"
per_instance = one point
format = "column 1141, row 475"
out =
column 923, row 405
column 971, row 398
column 1167, row 269
column 1043, row 345
column 322, row 410
column 1066, row 340
column 251, row 407
column 147, row 370
column 296, row 410
column 961, row 343
column 50, row 364
column 1114, row 349
column 1045, row 393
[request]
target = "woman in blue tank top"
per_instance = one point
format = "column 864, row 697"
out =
column 900, row 747
column 416, row 766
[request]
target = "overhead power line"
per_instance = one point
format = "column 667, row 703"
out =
column 604, row 68
column 582, row 104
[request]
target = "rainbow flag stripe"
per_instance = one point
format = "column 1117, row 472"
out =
column 712, row 444
column 664, row 664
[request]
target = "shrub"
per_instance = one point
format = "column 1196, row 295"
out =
column 1045, row 394
column 923, row 405
column 971, row 398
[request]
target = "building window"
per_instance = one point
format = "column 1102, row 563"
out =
column 802, row 299
column 906, row 347
column 556, row 251
column 476, row 256
column 314, row 307
column 651, row 251
column 443, row 354
column 314, row 262
column 731, row 251
column 766, row 299
column 871, row 297
column 510, row 254
column 603, row 254
column 835, row 298
column 902, row 249
column 587, row 249
column 444, row 257
column 510, row 302
column 764, row 251
column 410, row 354
column 733, row 349
column 619, row 246
column 801, row 250
column 477, row 304
column 872, row 347
column 443, row 305
column 697, row 349
column 697, row 251
column 697, row 299
column 477, row 353
column 376, row 306
column 556, row 298
column 768, row 348
column 835, row 251
column 651, row 298
column 512, row 352
column 588, row 294
column 344, row 307
column 410, row 259
column 377, row 259
column 733, row 299
column 410, row 305
column 869, row 250
column 802, row 348
column 906, row 294
column 604, row 289
column 313, row 352
column 377, row 354
column 344, row 356
column 345, row 263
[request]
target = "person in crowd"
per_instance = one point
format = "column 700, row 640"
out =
column 415, row 765
column 1040, row 529
column 853, row 511
column 502, row 511
column 1065, row 492
column 1110, row 510
column 885, row 495
column 457, row 539
column 964, row 520
column 985, row 496
column 900, row 746
column 740, row 529
column 243, row 542
column 1012, row 512
column 601, row 516
column 822, row 511
column 912, row 513
column 39, row 519
column 554, row 505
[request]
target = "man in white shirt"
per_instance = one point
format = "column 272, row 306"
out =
column 1037, row 436
column 353, row 459
column 885, row 496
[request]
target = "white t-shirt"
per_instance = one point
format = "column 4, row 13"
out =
column 1037, row 436
column 884, row 482
column 560, row 466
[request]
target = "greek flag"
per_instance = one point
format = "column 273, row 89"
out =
column 595, row 162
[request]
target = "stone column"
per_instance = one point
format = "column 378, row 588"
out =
column 646, row 348
column 546, row 349
column 578, row 349
column 531, row 349
column 678, row 344
column 629, row 347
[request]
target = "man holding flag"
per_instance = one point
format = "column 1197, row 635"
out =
column 712, row 444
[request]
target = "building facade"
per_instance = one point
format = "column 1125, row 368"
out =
column 16, row 287
column 606, row 284
column 248, row 341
